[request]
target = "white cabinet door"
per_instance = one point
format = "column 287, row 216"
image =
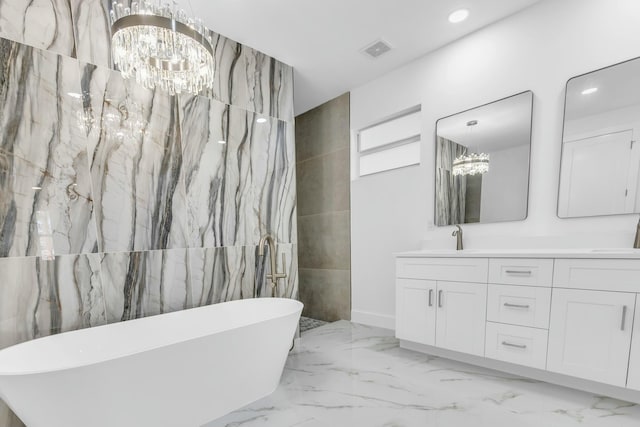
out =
column 633, row 381
column 590, row 334
column 462, row 310
column 416, row 310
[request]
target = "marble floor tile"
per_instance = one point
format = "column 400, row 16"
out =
column 344, row 374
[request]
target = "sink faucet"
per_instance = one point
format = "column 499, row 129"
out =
column 274, row 276
column 458, row 233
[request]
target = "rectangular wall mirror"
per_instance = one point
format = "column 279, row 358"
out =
column 600, row 159
column 482, row 163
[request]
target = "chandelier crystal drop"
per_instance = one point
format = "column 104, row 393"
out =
column 471, row 164
column 160, row 47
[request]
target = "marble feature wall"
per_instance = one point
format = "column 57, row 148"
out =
column 119, row 202
column 244, row 77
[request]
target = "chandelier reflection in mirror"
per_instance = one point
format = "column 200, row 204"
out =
column 471, row 163
column 160, row 47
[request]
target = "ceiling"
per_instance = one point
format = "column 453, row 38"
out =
column 322, row 39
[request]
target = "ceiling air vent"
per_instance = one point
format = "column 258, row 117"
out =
column 376, row 49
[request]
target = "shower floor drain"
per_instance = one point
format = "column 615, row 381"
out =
column 307, row 323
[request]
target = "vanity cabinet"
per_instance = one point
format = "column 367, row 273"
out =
column 578, row 316
column 461, row 317
column 442, row 302
column 415, row 305
column 633, row 379
column 449, row 315
column 590, row 334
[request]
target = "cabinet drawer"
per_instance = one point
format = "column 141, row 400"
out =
column 521, row 271
column 519, row 305
column 517, row 344
column 621, row 275
column 449, row 269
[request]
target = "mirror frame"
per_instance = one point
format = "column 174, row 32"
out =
column 435, row 159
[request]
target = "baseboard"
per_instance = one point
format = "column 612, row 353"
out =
column 373, row 319
column 523, row 371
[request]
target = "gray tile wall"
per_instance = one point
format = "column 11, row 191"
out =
column 145, row 215
column 324, row 248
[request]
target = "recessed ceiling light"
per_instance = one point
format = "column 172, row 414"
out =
column 458, row 16
column 261, row 120
column 590, row 91
column 222, row 142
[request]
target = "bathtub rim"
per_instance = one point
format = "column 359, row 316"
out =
column 295, row 307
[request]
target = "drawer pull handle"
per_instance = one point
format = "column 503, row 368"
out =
column 624, row 317
column 525, row 272
column 440, row 299
column 430, row 297
column 508, row 344
column 526, row 307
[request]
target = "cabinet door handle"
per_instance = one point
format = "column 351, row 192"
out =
column 624, row 318
column 440, row 299
column 430, row 297
column 508, row 344
column 526, row 272
column 509, row 305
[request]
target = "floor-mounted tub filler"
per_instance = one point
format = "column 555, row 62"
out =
column 181, row 369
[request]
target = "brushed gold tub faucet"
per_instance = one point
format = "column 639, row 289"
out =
column 274, row 276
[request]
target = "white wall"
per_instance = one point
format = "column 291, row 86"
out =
column 538, row 49
column 504, row 192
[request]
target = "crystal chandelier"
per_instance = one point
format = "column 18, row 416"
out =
column 159, row 46
column 471, row 164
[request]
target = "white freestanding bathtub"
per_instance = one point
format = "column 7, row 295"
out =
column 181, row 369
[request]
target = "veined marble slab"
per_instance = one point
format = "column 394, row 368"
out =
column 92, row 31
column 40, row 298
column 140, row 284
column 45, row 188
column 244, row 77
column 135, row 149
column 239, row 174
column 248, row 79
column 231, row 273
column 45, row 24
column 262, row 84
column 344, row 374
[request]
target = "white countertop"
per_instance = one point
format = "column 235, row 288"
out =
column 609, row 253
